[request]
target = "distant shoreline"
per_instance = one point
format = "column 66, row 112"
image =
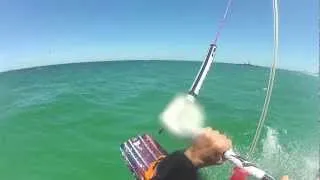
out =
column 158, row 60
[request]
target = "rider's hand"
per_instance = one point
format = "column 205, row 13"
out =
column 208, row 148
column 285, row 178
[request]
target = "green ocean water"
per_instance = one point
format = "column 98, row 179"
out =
column 67, row 121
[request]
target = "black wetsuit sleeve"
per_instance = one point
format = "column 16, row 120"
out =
column 176, row 166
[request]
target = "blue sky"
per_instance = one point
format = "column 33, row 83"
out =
column 40, row 32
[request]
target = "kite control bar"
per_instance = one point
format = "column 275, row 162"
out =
column 247, row 166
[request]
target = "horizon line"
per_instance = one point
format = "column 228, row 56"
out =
column 124, row 60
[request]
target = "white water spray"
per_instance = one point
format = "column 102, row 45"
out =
column 292, row 158
column 183, row 117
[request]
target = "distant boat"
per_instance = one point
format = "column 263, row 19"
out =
column 248, row 64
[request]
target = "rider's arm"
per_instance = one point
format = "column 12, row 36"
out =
column 207, row 149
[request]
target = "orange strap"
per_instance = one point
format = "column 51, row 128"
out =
column 151, row 172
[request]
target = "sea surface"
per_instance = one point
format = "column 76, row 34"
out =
column 66, row 122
